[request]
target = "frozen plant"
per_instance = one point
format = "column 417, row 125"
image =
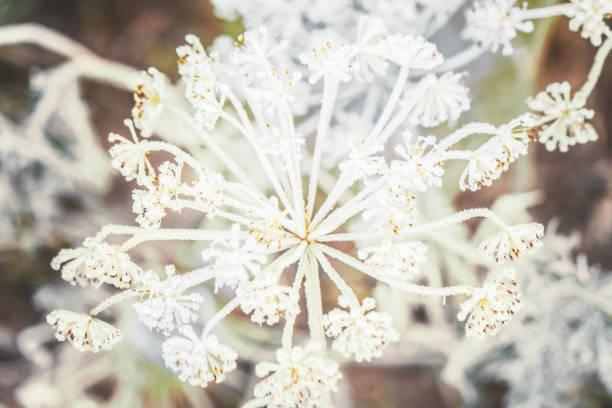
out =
column 275, row 235
column 559, row 344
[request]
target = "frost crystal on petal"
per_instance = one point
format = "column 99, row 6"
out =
column 198, row 361
column 329, row 60
column 362, row 333
column 85, row 332
column 508, row 245
column 300, row 378
column 490, row 308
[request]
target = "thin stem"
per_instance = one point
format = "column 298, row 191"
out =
column 342, row 286
column 600, row 58
column 465, row 131
column 287, row 338
column 232, row 166
column 330, row 92
column 313, row 300
column 247, row 130
column 126, row 294
column 456, row 218
column 391, row 102
column 404, row 286
column 220, row 315
column 175, row 234
column 545, row 12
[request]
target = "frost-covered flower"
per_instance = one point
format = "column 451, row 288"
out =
column 130, row 157
column 84, row 331
column 301, row 378
column 420, row 168
column 494, row 23
column 268, row 303
column 563, row 118
column 395, row 261
column 96, row 263
column 232, row 260
column 490, row 160
column 412, row 52
column 360, row 332
column 198, row 72
column 198, row 361
column 391, row 210
column 438, row 99
column 491, row 307
column 254, row 48
column 334, row 61
column 164, row 305
column 149, row 99
column 590, row 15
column 508, row 245
column 371, row 48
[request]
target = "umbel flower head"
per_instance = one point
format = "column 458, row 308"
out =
column 84, row 331
column 301, row 378
column 491, row 307
column 268, row 239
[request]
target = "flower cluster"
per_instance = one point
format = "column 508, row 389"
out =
column 269, row 239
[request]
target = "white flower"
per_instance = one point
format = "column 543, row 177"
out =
column 390, row 209
column 420, row 168
column 166, row 305
column 268, row 303
column 254, row 48
column 329, row 60
column 362, row 333
column 489, row 161
column 85, row 332
column 494, row 23
column 508, row 245
column 412, row 52
column 363, row 161
column 148, row 207
column 439, row 99
column 95, row 263
column 590, row 14
column 561, row 117
column 395, row 261
column 299, row 379
column 197, row 70
column 490, row 308
column 198, row 361
column 233, row 262
column 371, row 48
column 130, row 158
column 149, row 100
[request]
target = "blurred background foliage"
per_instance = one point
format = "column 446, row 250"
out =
column 142, row 33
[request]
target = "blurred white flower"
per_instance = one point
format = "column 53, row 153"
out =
column 494, row 23
column 590, row 15
column 149, row 100
column 395, row 261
